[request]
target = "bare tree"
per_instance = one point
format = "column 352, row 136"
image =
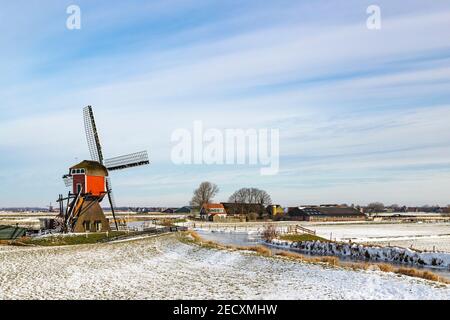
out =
column 263, row 198
column 376, row 207
column 269, row 233
column 251, row 195
column 250, row 200
column 239, row 196
column 204, row 194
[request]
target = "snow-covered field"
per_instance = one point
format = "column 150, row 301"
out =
column 164, row 268
column 422, row 236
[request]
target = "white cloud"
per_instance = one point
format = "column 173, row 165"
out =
column 319, row 82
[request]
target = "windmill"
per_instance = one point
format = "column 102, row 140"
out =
column 90, row 183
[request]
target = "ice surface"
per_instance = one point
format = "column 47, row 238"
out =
column 422, row 236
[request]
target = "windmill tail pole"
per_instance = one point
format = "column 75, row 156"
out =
column 112, row 210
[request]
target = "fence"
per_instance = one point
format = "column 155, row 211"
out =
column 254, row 228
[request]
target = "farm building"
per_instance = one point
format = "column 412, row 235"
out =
column 184, row 210
column 213, row 212
column 237, row 209
column 325, row 213
column 274, row 210
column 169, row 210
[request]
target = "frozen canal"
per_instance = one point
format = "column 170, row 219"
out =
column 164, row 268
column 422, row 236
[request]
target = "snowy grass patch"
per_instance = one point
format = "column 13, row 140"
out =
column 374, row 253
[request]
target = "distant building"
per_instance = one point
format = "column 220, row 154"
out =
column 325, row 213
column 169, row 210
column 184, row 210
column 213, row 212
column 274, row 210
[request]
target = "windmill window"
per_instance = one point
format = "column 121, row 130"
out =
column 87, row 225
column 79, row 187
column 78, row 171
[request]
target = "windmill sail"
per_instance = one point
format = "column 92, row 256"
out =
column 109, row 188
column 92, row 135
column 112, row 201
column 127, row 161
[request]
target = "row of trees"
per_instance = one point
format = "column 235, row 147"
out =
column 250, row 196
column 380, row 207
column 251, row 202
column 206, row 192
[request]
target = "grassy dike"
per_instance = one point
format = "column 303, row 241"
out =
column 194, row 238
column 67, row 240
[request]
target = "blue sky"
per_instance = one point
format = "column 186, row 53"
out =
column 363, row 114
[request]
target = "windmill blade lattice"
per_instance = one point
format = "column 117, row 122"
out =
column 127, row 161
column 92, row 138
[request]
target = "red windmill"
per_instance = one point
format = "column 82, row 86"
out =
column 90, row 183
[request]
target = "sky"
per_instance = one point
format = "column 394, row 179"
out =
column 363, row 115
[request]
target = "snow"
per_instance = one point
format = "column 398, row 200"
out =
column 164, row 268
column 377, row 253
column 422, row 236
